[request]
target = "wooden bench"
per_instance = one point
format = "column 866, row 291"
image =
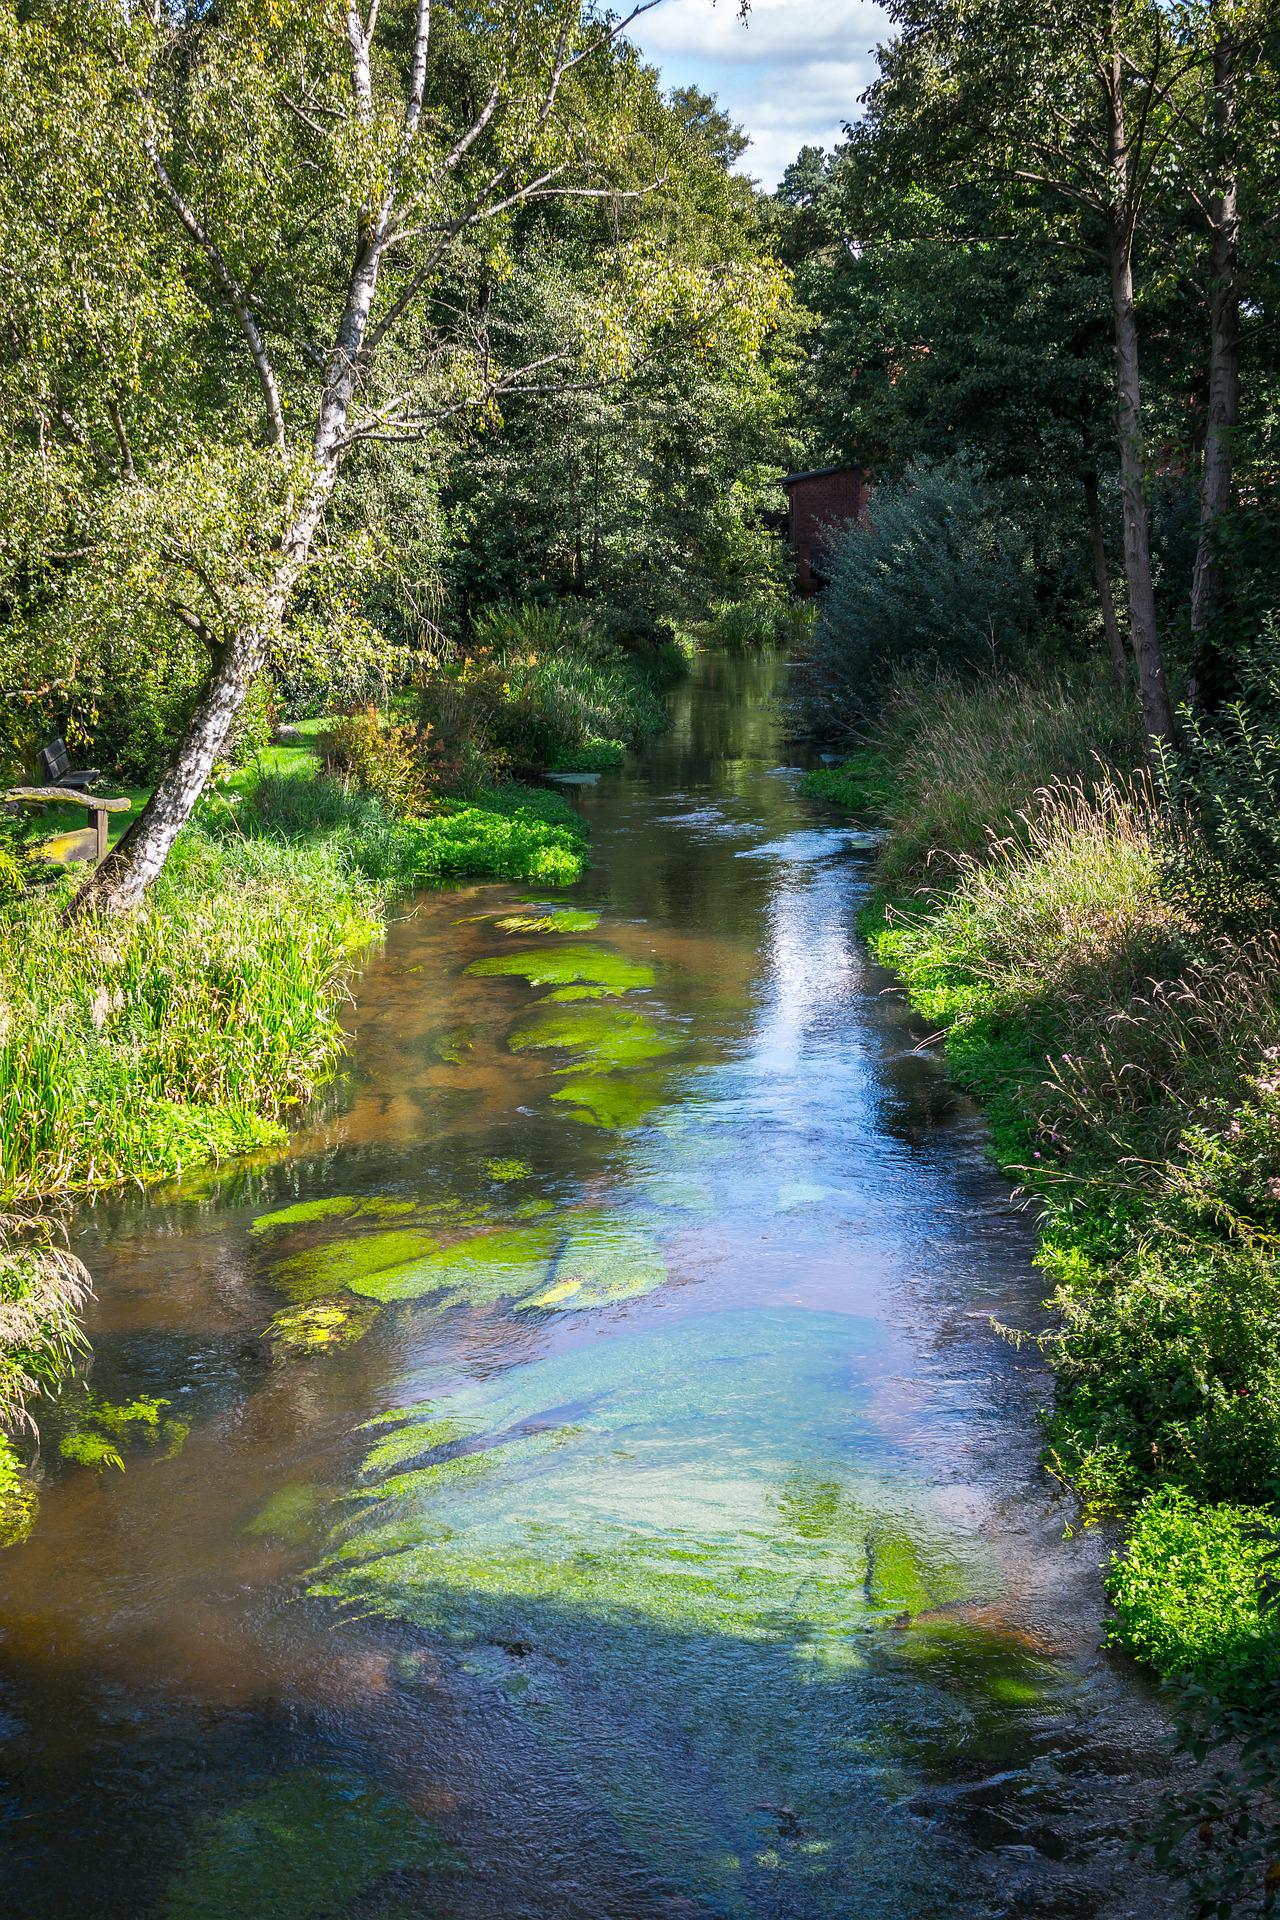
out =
column 56, row 765
column 96, row 807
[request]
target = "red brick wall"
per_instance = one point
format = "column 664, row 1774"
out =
column 815, row 504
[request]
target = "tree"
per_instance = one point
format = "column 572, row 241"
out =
column 1237, row 45
column 328, row 210
column 1074, row 108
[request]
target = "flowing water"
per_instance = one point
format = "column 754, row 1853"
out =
column 579, row 1481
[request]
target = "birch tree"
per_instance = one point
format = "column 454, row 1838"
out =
column 341, row 187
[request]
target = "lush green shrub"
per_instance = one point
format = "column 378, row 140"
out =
column 1168, row 1367
column 544, row 691
column 1194, row 1593
column 1223, row 779
column 941, row 577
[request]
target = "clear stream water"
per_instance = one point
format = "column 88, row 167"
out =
column 657, row 1531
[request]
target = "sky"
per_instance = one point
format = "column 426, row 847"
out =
column 790, row 75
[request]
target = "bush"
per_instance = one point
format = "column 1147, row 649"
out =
column 401, row 764
column 1168, row 1367
column 545, row 690
column 1223, row 779
column 943, row 577
column 1195, row 1593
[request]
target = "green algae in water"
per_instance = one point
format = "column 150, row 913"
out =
column 550, row 920
column 293, row 1515
column 700, row 1529
column 107, row 1425
column 669, row 1496
column 679, row 1193
column 606, row 1037
column 317, row 1325
column 484, row 1267
column 615, row 1104
column 595, row 968
column 350, row 1262
column 603, row 1259
column 348, row 1206
column 454, row 1046
column 508, row 1169
column 308, row 1845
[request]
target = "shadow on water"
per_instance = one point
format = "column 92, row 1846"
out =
column 579, row 1479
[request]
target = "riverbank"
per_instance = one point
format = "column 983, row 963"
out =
column 1127, row 1054
column 132, row 1052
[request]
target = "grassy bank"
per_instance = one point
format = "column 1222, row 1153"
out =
column 1128, row 1052
column 134, row 1050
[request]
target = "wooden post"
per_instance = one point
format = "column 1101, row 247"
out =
column 99, row 817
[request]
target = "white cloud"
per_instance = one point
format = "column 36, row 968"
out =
column 790, row 74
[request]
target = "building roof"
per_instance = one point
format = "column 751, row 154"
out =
column 815, row 473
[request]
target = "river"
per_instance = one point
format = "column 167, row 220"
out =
column 653, row 1525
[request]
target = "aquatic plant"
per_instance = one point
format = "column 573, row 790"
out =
column 641, row 1538
column 315, row 1326
column 347, row 1262
column 565, row 965
column 292, row 1515
column 604, row 1037
column 549, row 920
column 334, row 1206
column 617, row 1103
column 604, row 1258
column 505, row 1261
column 307, row 1844
column 105, row 1426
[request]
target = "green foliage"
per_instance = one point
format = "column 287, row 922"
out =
column 42, row 1290
column 1223, row 778
column 187, row 1033
column 942, row 578
column 1194, row 1593
column 859, row 782
column 104, row 1426
column 19, row 1501
column 543, row 690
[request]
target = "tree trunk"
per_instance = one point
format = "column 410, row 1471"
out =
column 119, row 884
column 1102, row 580
column 1224, row 347
column 1153, row 688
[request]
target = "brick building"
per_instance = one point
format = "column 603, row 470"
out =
column 822, row 498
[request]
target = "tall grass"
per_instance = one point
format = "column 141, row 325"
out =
column 541, row 688
column 135, row 1048
column 965, row 760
